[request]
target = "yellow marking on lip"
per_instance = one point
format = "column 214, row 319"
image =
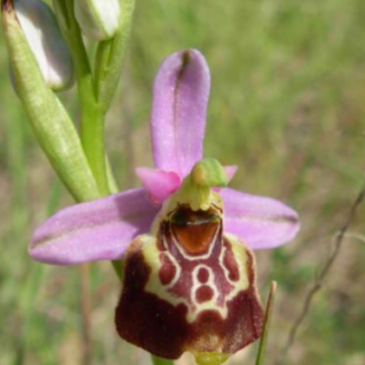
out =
column 211, row 358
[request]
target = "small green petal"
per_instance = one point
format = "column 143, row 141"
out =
column 196, row 189
column 211, row 358
column 209, row 172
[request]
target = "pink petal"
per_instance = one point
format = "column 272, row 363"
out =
column 97, row 230
column 260, row 221
column 231, row 171
column 159, row 184
column 180, row 98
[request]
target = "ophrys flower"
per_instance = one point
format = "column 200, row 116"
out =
column 189, row 277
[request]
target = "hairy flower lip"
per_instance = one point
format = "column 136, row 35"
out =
column 169, row 312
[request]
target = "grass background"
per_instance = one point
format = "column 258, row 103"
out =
column 287, row 106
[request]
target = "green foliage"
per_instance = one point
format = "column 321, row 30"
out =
column 50, row 121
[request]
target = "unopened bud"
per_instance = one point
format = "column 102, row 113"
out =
column 44, row 38
column 50, row 121
column 98, row 19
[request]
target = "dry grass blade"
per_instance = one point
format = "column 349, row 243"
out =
column 338, row 240
column 267, row 320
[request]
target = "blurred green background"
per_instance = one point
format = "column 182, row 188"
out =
column 287, row 106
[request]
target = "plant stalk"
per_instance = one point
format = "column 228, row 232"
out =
column 159, row 361
column 92, row 119
column 266, row 326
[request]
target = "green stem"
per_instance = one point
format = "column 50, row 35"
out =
column 159, row 361
column 85, row 307
column 267, row 320
column 95, row 94
column 113, row 185
column 118, row 268
column 92, row 118
column 102, row 60
column 92, row 136
column 33, row 285
column 110, row 57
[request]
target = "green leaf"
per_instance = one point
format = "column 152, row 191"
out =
column 50, row 121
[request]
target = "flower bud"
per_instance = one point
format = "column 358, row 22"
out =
column 44, row 38
column 98, row 19
column 50, row 121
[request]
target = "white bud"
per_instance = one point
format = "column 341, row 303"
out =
column 44, row 38
column 98, row 19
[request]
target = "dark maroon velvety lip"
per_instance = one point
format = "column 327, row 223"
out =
column 162, row 326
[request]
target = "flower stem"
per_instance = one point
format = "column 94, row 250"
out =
column 159, row 361
column 118, row 268
column 265, row 330
column 110, row 57
column 92, row 136
column 92, row 118
column 95, row 96
column 32, row 286
column 85, row 304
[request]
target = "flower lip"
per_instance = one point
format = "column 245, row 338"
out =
column 194, row 230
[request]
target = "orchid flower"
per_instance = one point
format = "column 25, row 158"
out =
column 186, row 240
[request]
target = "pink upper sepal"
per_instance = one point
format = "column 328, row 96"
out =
column 178, row 115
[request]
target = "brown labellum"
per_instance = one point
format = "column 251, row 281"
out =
column 191, row 288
